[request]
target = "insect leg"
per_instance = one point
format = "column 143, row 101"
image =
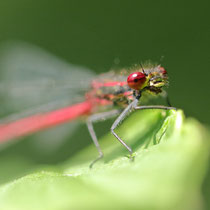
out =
column 94, row 118
column 154, row 107
column 119, row 119
column 131, row 106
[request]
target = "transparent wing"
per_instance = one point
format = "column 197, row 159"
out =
column 32, row 81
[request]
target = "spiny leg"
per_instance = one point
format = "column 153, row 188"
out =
column 154, row 107
column 120, row 119
column 94, row 118
column 131, row 106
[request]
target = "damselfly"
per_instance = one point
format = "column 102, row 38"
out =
column 112, row 94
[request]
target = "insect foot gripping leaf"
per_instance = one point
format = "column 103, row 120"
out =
column 168, row 171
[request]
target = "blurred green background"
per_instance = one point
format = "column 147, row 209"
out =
column 97, row 33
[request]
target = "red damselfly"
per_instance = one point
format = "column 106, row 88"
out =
column 108, row 95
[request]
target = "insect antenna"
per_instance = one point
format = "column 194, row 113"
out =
column 142, row 68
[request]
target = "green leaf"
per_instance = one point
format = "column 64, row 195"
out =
column 171, row 155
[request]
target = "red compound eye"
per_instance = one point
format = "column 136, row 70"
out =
column 136, row 80
column 162, row 70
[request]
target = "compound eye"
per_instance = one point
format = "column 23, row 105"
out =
column 162, row 70
column 136, row 80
